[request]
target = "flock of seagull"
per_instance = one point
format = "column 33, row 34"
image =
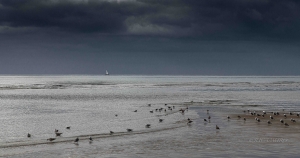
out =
column 262, row 115
column 258, row 117
column 189, row 121
column 170, row 108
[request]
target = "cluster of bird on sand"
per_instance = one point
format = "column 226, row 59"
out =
column 258, row 116
column 170, row 108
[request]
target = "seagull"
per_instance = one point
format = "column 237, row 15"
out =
column 91, row 139
column 264, row 112
column 293, row 120
column 298, row 114
column 228, row 117
column 205, row 120
column 151, row 111
column 148, row 125
column 58, row 134
column 129, row 130
column 56, row 130
column 209, row 117
column 135, row 111
column 76, row 140
column 271, row 117
column 284, row 115
column 281, row 121
column 291, row 113
column 269, row 122
column 190, row 121
column 111, row 132
column 69, row 127
column 239, row 116
column 28, row 135
column 244, row 119
column 161, row 120
column 217, row 127
column 286, row 124
column 51, row 139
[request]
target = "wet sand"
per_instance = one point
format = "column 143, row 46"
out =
column 235, row 138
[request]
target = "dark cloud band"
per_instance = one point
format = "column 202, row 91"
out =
column 216, row 18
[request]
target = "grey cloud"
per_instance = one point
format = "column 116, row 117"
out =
column 203, row 18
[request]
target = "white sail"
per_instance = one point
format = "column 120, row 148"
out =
column 106, row 73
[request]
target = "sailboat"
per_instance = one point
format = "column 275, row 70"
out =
column 106, row 73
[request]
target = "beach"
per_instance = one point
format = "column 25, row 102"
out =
column 89, row 106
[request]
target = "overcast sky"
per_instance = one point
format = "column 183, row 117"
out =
column 155, row 37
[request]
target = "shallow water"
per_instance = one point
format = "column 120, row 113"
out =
column 40, row 104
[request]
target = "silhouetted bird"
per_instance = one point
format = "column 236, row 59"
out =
column 286, row 124
column 148, row 125
column 189, row 122
column 51, row 139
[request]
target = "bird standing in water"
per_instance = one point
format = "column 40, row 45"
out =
column 76, row 140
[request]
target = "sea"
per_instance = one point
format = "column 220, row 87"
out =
column 94, row 105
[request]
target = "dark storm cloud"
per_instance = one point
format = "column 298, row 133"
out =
column 210, row 37
column 78, row 16
column 270, row 18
